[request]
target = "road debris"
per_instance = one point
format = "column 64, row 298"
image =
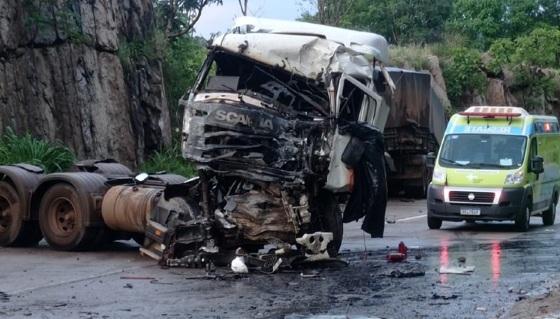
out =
column 444, row 297
column 310, row 274
column 138, row 278
column 128, row 286
column 456, row 270
column 238, row 265
column 398, row 273
column 4, row 297
column 398, row 256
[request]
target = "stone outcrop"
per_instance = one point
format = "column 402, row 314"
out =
column 67, row 73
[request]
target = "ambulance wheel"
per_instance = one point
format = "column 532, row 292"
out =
column 61, row 217
column 434, row 223
column 523, row 219
column 549, row 215
column 14, row 231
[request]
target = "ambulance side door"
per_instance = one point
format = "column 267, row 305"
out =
column 536, row 180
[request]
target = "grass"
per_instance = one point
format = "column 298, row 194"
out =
column 410, row 57
column 169, row 160
column 52, row 157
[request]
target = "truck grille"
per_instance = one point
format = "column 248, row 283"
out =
column 479, row 197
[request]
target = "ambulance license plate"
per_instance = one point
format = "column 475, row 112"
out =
column 470, row 211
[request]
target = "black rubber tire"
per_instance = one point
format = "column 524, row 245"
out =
column 434, row 223
column 549, row 215
column 14, row 231
column 523, row 219
column 329, row 219
column 61, row 218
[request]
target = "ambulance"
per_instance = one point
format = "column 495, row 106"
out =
column 496, row 164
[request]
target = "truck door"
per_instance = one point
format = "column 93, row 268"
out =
column 372, row 109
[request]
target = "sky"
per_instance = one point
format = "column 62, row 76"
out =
column 220, row 18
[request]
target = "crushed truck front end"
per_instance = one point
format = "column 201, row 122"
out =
column 267, row 124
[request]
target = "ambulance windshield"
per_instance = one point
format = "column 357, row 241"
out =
column 484, row 151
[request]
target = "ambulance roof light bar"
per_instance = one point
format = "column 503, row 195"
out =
column 490, row 112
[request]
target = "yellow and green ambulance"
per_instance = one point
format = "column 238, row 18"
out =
column 496, row 163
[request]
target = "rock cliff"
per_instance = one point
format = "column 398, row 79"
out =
column 68, row 73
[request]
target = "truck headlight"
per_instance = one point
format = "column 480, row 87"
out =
column 515, row 178
column 439, row 176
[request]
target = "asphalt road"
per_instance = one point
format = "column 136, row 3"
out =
column 118, row 283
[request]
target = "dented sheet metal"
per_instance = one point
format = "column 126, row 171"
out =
column 369, row 44
column 308, row 56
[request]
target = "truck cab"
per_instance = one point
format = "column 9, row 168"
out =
column 496, row 164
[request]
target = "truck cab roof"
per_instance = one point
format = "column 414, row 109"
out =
column 309, row 50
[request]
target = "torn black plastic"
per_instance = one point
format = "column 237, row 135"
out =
column 365, row 154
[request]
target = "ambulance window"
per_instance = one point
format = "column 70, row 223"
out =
column 539, row 127
column 534, row 149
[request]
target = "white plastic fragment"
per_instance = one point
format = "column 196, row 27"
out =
column 238, row 265
column 459, row 270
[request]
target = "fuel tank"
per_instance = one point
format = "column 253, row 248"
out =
column 128, row 208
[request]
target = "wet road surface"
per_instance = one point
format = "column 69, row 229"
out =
column 118, row 283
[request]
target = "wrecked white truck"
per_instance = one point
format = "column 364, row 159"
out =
column 284, row 124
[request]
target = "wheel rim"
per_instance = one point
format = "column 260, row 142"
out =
column 5, row 215
column 62, row 217
column 528, row 217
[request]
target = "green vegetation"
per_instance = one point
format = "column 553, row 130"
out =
column 65, row 19
column 514, row 40
column 51, row 157
column 182, row 60
column 411, row 56
column 401, row 21
column 170, row 161
column 463, row 73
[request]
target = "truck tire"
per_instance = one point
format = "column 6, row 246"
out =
column 523, row 219
column 14, row 231
column 549, row 215
column 61, row 218
column 330, row 220
column 434, row 223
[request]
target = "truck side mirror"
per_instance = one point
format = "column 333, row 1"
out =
column 537, row 165
column 431, row 160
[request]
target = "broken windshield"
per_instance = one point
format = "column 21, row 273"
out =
column 483, row 151
column 272, row 85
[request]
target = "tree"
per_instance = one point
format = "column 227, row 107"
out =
column 484, row 21
column 243, row 6
column 400, row 21
column 329, row 12
column 178, row 17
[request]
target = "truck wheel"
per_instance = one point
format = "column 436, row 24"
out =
column 549, row 215
column 330, row 220
column 14, row 231
column 434, row 223
column 61, row 218
column 523, row 219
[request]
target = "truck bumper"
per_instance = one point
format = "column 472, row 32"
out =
column 511, row 202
